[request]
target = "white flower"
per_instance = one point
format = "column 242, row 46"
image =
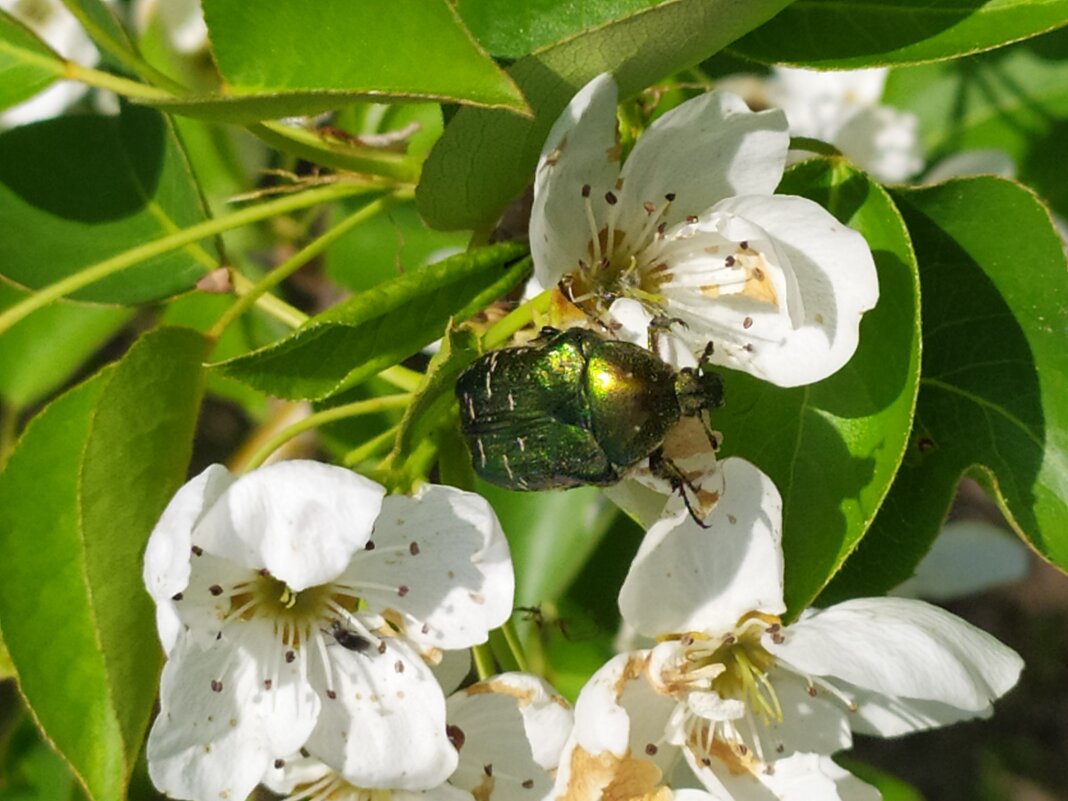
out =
column 689, row 229
column 754, row 707
column 297, row 608
column 61, row 31
column 843, row 108
column 508, row 730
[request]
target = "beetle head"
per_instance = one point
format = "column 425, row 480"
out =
column 697, row 390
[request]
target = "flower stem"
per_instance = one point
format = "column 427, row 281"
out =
column 321, row 418
column 157, row 247
column 520, row 317
column 515, row 646
column 105, row 80
column 300, row 258
column 371, row 448
column 313, row 147
column 482, row 655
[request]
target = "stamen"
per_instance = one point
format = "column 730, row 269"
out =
column 595, row 237
column 610, row 231
column 320, row 644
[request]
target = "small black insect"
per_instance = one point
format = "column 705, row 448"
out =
column 349, row 639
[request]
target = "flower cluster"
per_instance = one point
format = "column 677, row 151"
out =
column 311, row 622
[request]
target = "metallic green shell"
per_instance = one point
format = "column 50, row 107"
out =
column 572, row 409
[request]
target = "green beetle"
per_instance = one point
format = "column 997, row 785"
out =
column 575, row 408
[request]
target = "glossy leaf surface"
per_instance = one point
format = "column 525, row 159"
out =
column 376, row 329
column 289, row 62
column 78, row 497
column 848, row 33
column 77, row 190
column 994, row 391
column 486, row 157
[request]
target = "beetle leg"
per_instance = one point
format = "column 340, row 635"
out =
column 658, row 326
column 666, row 469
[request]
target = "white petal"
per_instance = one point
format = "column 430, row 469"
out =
column 884, row 142
column 968, row 556
column 167, row 554
column 688, row 578
column 904, row 649
column 514, row 727
column 801, row 777
column 441, row 561
column 831, row 273
column 207, row 744
column 816, row 724
column 452, row 669
column 386, row 728
column 862, row 87
column 704, row 150
column 301, row 520
column 618, row 739
column 581, row 150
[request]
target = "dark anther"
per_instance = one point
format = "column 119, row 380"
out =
column 279, row 763
column 610, row 198
column 197, row 550
column 691, row 218
column 331, row 695
column 649, row 207
column 413, row 549
column 585, row 190
column 651, row 749
column 661, row 228
column 398, row 666
column 177, row 596
column 304, row 752
column 747, row 322
column 216, row 686
column 528, row 784
column 381, row 646
column 267, row 684
column 729, row 261
column 290, row 656
column 370, row 546
column 488, row 769
column 402, row 590
column 812, row 691
column 744, row 244
column 456, row 736
column 670, row 196
column 215, row 589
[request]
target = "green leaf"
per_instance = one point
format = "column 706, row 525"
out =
column 41, row 352
column 994, row 390
column 832, row 448
column 1014, row 100
column 509, row 30
column 80, row 493
column 27, row 65
column 551, row 535
column 865, row 33
column 379, row 328
column 486, row 157
column 78, row 190
column 306, row 57
column 396, row 241
column 30, row 770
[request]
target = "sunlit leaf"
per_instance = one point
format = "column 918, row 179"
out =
column 485, row 157
column 78, row 497
column 864, row 33
column 994, row 390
